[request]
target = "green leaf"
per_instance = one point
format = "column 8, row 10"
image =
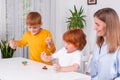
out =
column 77, row 19
column 6, row 50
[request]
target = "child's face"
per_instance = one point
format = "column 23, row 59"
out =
column 34, row 29
column 70, row 47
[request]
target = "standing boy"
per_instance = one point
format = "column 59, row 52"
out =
column 37, row 38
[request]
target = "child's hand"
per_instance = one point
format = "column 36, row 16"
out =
column 49, row 42
column 57, row 67
column 13, row 44
column 44, row 56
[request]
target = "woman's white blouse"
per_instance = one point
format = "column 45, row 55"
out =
column 105, row 66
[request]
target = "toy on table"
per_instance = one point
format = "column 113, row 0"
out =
column 44, row 67
column 24, row 63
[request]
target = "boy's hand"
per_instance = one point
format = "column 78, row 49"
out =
column 49, row 42
column 44, row 56
column 13, row 44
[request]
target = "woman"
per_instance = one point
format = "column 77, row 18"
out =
column 105, row 64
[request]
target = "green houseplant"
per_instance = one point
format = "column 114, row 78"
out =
column 6, row 50
column 77, row 19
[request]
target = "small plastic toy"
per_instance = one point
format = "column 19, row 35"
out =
column 44, row 67
column 24, row 63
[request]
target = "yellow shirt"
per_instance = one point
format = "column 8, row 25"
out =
column 37, row 44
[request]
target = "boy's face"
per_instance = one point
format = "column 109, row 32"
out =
column 70, row 47
column 34, row 29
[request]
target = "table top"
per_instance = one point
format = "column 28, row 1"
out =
column 13, row 69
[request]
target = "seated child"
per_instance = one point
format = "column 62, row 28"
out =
column 69, row 56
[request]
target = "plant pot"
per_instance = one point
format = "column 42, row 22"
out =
column 6, row 50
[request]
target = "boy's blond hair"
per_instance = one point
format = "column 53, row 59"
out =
column 33, row 19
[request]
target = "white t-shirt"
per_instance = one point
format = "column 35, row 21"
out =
column 67, row 59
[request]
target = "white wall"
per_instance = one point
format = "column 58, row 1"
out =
column 62, row 12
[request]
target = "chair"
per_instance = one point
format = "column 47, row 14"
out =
column 85, row 62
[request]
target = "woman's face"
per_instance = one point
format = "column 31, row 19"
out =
column 100, row 27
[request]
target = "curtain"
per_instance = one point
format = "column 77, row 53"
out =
column 13, row 14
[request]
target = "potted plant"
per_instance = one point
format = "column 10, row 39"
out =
column 76, row 20
column 6, row 50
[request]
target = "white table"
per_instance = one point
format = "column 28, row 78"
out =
column 13, row 69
